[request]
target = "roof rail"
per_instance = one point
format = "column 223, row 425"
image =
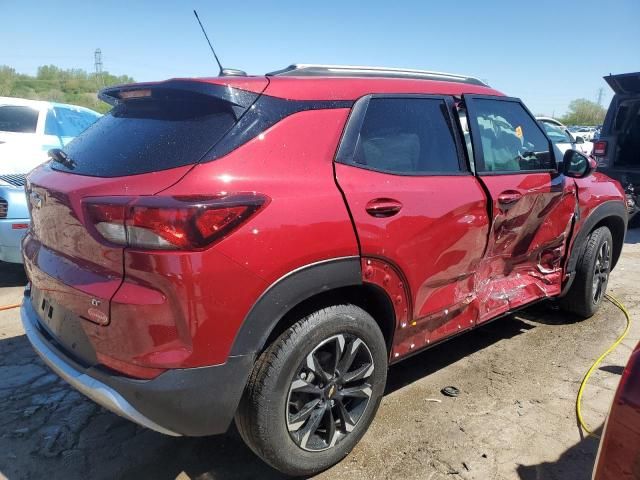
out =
column 317, row 70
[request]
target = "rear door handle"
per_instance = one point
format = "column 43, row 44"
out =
column 383, row 207
column 508, row 198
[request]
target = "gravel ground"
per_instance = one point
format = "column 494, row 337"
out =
column 514, row 418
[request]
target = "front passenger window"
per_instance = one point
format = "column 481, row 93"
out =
column 511, row 140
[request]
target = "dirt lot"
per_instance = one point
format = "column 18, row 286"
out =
column 514, row 418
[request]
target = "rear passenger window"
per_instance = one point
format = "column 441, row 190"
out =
column 407, row 136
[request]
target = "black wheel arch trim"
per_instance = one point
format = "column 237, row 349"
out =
column 287, row 292
column 609, row 209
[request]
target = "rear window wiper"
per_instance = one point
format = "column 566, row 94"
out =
column 58, row 156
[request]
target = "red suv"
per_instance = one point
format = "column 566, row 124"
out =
column 264, row 247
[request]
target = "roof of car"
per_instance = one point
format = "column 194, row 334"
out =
column 347, row 88
column 40, row 104
column 321, row 70
column 337, row 82
column 24, row 102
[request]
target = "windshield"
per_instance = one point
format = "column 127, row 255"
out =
column 69, row 122
column 556, row 134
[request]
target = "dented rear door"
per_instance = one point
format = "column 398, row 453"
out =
column 531, row 206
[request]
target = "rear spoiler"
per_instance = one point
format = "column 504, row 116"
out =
column 239, row 99
column 624, row 83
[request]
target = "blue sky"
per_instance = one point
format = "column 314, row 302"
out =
column 545, row 52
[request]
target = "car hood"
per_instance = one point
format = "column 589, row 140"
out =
column 20, row 157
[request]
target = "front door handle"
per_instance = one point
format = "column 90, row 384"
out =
column 508, row 198
column 383, row 207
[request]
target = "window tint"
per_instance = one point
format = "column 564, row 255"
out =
column 15, row 118
column 511, row 140
column 404, row 135
column 145, row 135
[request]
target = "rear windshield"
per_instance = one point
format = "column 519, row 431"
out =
column 168, row 130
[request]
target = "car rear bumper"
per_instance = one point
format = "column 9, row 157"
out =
column 11, row 233
column 193, row 401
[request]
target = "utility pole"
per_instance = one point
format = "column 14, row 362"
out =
column 98, row 63
column 600, row 95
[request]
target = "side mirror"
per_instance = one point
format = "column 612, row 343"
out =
column 577, row 165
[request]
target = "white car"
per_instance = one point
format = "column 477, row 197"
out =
column 588, row 133
column 563, row 138
column 28, row 130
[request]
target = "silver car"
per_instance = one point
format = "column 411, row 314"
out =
column 14, row 216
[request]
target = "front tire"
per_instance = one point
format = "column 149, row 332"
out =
column 592, row 275
column 314, row 392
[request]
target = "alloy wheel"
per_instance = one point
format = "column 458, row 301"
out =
column 329, row 392
column 601, row 271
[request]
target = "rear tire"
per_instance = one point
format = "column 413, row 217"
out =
column 300, row 413
column 592, row 275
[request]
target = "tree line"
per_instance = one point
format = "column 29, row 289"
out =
column 584, row 112
column 74, row 86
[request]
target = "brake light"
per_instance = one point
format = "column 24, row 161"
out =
column 600, row 148
column 127, row 94
column 170, row 223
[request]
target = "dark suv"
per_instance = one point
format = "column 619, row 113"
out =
column 264, row 247
column 618, row 147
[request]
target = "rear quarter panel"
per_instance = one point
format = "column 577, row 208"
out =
column 203, row 297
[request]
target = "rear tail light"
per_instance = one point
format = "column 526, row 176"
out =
column 600, row 148
column 170, row 223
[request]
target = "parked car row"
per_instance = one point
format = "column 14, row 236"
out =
column 562, row 137
column 587, row 133
column 28, row 129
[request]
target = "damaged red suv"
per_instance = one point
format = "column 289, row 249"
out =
column 262, row 248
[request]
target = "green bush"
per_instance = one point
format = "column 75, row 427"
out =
column 54, row 84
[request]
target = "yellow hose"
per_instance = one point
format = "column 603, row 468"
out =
column 8, row 307
column 617, row 303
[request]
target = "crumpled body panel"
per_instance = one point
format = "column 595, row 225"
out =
column 527, row 242
column 454, row 283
